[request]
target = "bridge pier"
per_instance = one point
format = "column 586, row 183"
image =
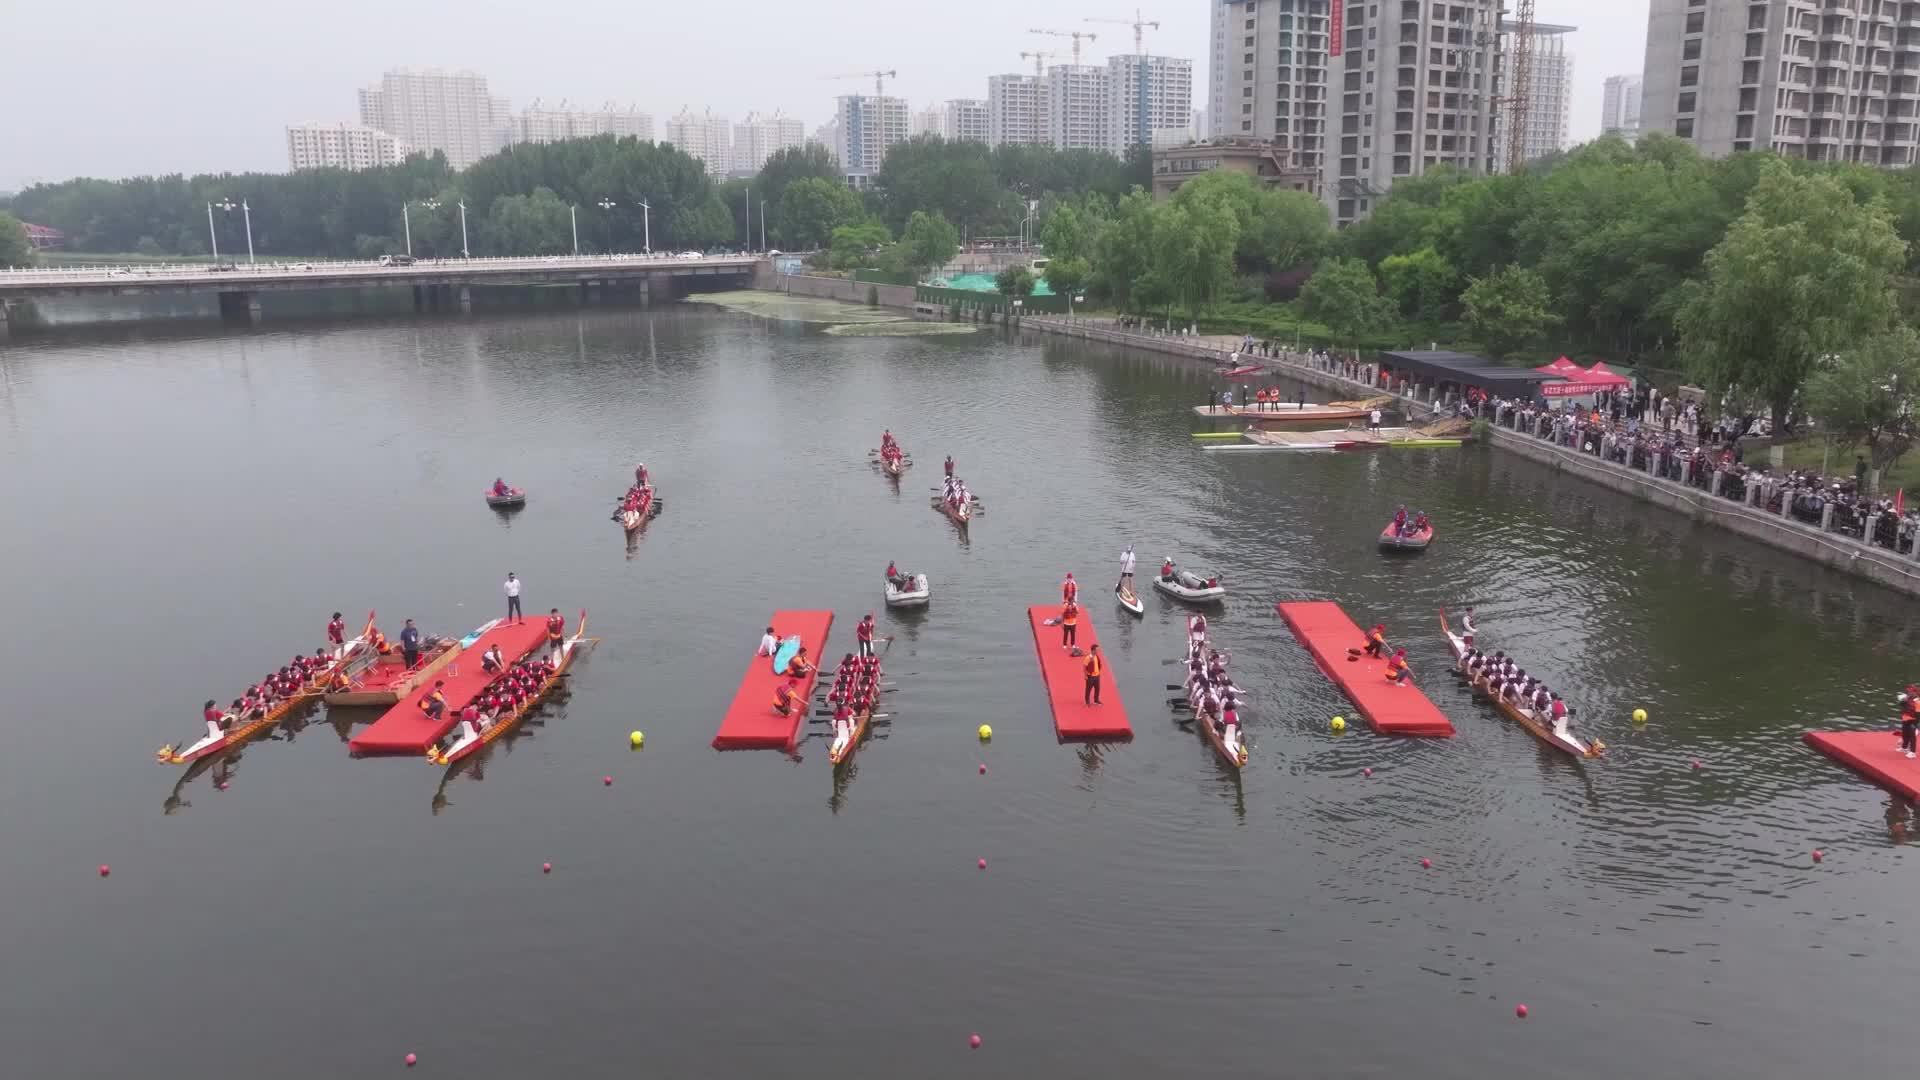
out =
column 466, row 300
column 240, row 307
column 419, row 299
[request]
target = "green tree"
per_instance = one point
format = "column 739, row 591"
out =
column 812, row 209
column 1066, row 277
column 1069, row 233
column 928, row 173
column 1014, row 281
column 1804, row 273
column 856, row 245
column 1343, row 294
column 1276, row 229
column 536, row 224
column 1508, row 310
column 785, row 168
column 928, row 242
column 1421, row 284
column 1124, row 250
column 14, row 249
column 1192, row 254
column 1866, row 396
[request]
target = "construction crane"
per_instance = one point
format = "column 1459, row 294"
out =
column 1076, row 35
column 1139, row 27
column 1037, row 58
column 879, row 87
column 1520, row 90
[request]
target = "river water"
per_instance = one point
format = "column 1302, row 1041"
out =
column 184, row 508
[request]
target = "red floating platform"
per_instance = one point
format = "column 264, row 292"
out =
column 405, row 729
column 1392, row 709
column 1873, row 754
column 1066, row 680
column 751, row 722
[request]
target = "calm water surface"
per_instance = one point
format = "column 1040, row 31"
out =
column 184, row 508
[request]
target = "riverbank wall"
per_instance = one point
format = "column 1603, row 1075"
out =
column 1900, row 572
column 833, row 288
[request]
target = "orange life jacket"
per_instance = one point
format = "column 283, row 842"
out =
column 1095, row 665
column 1070, row 614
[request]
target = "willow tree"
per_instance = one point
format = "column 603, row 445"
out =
column 1804, row 273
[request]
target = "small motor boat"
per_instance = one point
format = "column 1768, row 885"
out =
column 512, row 500
column 1190, row 587
column 915, row 596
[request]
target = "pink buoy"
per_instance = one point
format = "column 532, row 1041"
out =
column 1818, row 854
column 412, row 1061
column 973, row 1041
column 1696, row 764
column 1366, row 772
column 1426, row 864
column 1520, row 1011
column 983, row 768
column 546, row 868
column 607, row 780
column 983, row 864
column 105, row 869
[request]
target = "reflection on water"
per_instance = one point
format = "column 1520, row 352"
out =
column 1630, row 893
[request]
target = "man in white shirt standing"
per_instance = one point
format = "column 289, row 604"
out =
column 513, row 599
column 1373, row 420
column 1126, row 569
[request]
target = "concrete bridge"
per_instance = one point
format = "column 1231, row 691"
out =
column 435, row 282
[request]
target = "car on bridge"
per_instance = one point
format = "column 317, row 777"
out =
column 691, row 255
column 396, row 260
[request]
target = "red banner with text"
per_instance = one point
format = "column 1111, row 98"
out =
column 1337, row 39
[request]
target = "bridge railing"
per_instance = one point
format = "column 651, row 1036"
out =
column 106, row 273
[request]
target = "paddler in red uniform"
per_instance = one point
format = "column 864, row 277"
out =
column 1397, row 667
column 1069, row 589
column 949, row 464
column 556, row 633
column 216, row 720
column 337, row 634
column 640, row 475
column 500, row 487
column 1400, row 522
column 1377, row 640
column 842, row 720
column 863, row 635
column 787, row 698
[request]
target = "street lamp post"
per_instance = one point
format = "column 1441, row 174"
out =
column 464, row 253
column 607, row 205
column 213, row 240
column 406, row 219
column 573, row 219
column 763, row 225
column 646, row 224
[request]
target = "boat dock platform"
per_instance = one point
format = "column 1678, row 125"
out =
column 1357, row 437
column 1335, row 643
column 1874, row 755
column 1066, row 681
column 751, row 722
column 1285, row 411
column 406, row 728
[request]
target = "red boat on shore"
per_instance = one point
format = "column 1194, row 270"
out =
column 1236, row 372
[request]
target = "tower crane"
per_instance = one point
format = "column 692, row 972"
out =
column 1076, row 35
column 1037, row 58
column 1520, row 91
column 879, row 86
column 1139, row 27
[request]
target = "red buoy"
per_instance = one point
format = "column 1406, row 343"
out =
column 983, row 864
column 546, row 868
column 973, row 1041
column 1426, row 864
column 1366, row 771
column 105, row 869
column 1696, row 763
column 1818, row 854
column 607, row 780
column 411, row 1061
column 983, row 768
column 1520, row 1011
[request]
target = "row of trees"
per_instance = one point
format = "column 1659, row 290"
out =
column 520, row 201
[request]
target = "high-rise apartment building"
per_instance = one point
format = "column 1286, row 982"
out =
column 1620, row 106
column 1545, row 127
column 1830, row 81
column 1016, row 109
column 341, row 146
column 931, row 120
column 1146, row 94
column 1077, row 107
column 703, row 135
column 868, row 126
column 761, row 136
column 437, row 110
column 537, row 125
column 1269, row 77
column 827, row 137
column 965, row 119
column 1415, row 86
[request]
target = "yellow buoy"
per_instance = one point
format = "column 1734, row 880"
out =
column 986, row 732
column 1339, row 723
column 636, row 740
column 1639, row 716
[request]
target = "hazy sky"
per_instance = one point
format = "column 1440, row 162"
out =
column 124, row 87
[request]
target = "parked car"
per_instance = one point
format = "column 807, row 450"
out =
column 396, row 260
column 691, row 255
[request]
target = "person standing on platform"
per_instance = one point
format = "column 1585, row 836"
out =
column 410, row 644
column 1095, row 666
column 1373, row 421
column 1069, row 589
column 1909, row 723
column 1069, row 623
column 513, row 598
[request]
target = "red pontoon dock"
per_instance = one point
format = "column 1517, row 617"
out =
column 1066, row 680
column 1392, row 709
column 1873, row 754
column 751, row 722
column 406, row 729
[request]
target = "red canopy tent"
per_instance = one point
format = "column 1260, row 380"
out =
column 1581, row 381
